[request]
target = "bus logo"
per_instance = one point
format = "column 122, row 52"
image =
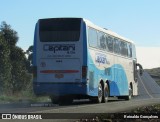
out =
column 101, row 59
column 69, row 48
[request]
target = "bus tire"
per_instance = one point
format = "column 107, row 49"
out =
column 98, row 99
column 66, row 100
column 130, row 93
column 105, row 94
column 100, row 93
column 54, row 99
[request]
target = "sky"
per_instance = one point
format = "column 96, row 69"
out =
column 138, row 20
column 149, row 57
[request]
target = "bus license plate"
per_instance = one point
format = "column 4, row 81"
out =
column 59, row 76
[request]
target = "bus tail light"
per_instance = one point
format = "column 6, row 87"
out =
column 34, row 71
column 84, row 72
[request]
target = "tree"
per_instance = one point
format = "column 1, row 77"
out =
column 20, row 76
column 13, row 74
column 5, row 66
column 9, row 34
column 29, row 62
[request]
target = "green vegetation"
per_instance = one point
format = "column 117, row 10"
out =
column 154, row 71
column 147, row 109
column 15, row 68
column 119, row 117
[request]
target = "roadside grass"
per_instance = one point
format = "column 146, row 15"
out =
column 5, row 99
column 118, row 117
column 23, row 96
column 147, row 109
column 26, row 95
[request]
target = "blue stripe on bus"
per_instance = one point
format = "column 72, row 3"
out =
column 59, row 89
column 118, row 81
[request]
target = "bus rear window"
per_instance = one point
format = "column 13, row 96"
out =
column 59, row 29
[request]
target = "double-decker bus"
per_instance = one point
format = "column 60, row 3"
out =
column 73, row 58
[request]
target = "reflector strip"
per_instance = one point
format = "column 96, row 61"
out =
column 59, row 71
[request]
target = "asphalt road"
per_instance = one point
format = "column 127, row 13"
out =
column 148, row 88
column 149, row 93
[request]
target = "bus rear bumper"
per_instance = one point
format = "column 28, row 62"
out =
column 59, row 89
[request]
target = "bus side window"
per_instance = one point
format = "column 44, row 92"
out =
column 129, row 50
column 116, row 46
column 92, row 36
column 109, row 42
column 124, row 49
column 101, row 41
column 133, row 51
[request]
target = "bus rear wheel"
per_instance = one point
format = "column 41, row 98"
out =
column 55, row 99
column 130, row 93
column 105, row 94
column 99, row 98
column 100, row 93
column 66, row 100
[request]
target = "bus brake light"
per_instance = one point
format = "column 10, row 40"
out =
column 84, row 72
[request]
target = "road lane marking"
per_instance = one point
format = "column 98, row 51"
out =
column 145, row 87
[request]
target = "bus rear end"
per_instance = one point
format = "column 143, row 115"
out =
column 59, row 57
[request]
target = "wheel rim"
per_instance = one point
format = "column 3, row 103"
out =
column 100, row 93
column 106, row 94
column 130, row 92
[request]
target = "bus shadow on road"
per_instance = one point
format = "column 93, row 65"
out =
column 87, row 101
column 75, row 102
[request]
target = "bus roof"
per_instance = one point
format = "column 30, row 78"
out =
column 89, row 23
